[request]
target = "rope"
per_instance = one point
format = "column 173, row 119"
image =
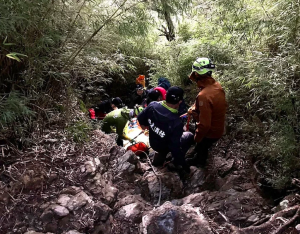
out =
column 157, row 176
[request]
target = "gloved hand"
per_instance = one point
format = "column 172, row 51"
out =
column 190, row 110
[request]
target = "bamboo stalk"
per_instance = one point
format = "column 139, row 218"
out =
column 75, row 53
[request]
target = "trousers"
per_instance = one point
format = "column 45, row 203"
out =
column 201, row 150
column 186, row 141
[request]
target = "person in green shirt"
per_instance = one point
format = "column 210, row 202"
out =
column 117, row 119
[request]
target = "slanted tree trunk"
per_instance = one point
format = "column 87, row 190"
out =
column 171, row 31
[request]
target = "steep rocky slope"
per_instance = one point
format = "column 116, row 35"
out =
column 61, row 187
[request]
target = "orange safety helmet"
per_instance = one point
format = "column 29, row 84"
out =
column 141, row 80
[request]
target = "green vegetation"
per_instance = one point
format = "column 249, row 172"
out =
column 55, row 53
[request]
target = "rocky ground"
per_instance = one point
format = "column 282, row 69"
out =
column 60, row 187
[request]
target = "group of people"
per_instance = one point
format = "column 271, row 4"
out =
column 158, row 111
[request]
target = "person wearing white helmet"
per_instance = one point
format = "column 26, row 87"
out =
column 208, row 110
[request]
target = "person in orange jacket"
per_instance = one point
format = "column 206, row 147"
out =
column 208, row 110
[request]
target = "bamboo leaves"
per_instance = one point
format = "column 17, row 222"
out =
column 15, row 56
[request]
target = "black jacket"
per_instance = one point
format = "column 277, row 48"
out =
column 137, row 99
column 165, row 130
column 103, row 107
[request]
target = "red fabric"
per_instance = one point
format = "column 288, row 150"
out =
column 96, row 115
column 100, row 115
column 162, row 91
column 138, row 148
column 92, row 113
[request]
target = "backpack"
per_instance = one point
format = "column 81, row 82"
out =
column 164, row 83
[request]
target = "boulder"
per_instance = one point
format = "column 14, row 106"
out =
column 73, row 232
column 133, row 211
column 90, row 166
column 170, row 219
column 77, row 201
column 104, row 227
column 103, row 188
column 47, row 216
column 34, row 232
column 126, row 165
column 222, row 165
column 100, row 210
column 63, row 199
column 129, row 156
column 71, row 190
column 60, row 211
column 171, row 186
column 196, row 199
column 195, row 181
column 129, row 200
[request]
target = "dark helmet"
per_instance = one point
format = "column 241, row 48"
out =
column 117, row 102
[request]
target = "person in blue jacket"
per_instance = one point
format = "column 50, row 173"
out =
column 166, row 129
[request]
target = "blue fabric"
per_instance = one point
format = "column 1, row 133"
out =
column 165, row 130
column 164, row 83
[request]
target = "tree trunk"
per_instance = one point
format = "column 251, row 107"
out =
column 171, row 32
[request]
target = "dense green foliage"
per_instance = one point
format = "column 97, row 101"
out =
column 55, row 53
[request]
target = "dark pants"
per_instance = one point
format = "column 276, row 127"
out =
column 201, row 150
column 119, row 141
column 186, row 141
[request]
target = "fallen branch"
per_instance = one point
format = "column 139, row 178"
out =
column 281, row 229
column 271, row 223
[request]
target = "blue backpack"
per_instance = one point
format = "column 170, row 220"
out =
column 164, row 83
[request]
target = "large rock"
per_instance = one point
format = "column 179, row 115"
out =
column 133, row 211
column 196, row 180
column 71, row 190
column 170, row 219
column 222, row 165
column 63, row 199
column 101, row 186
column 195, row 199
column 47, row 216
column 104, row 227
column 34, row 232
column 126, row 165
column 72, row 232
column 171, row 186
column 91, row 166
column 99, row 210
column 60, row 211
column 129, row 200
column 78, row 201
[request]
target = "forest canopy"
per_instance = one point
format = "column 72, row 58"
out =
column 60, row 56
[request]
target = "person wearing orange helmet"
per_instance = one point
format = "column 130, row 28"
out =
column 208, row 110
